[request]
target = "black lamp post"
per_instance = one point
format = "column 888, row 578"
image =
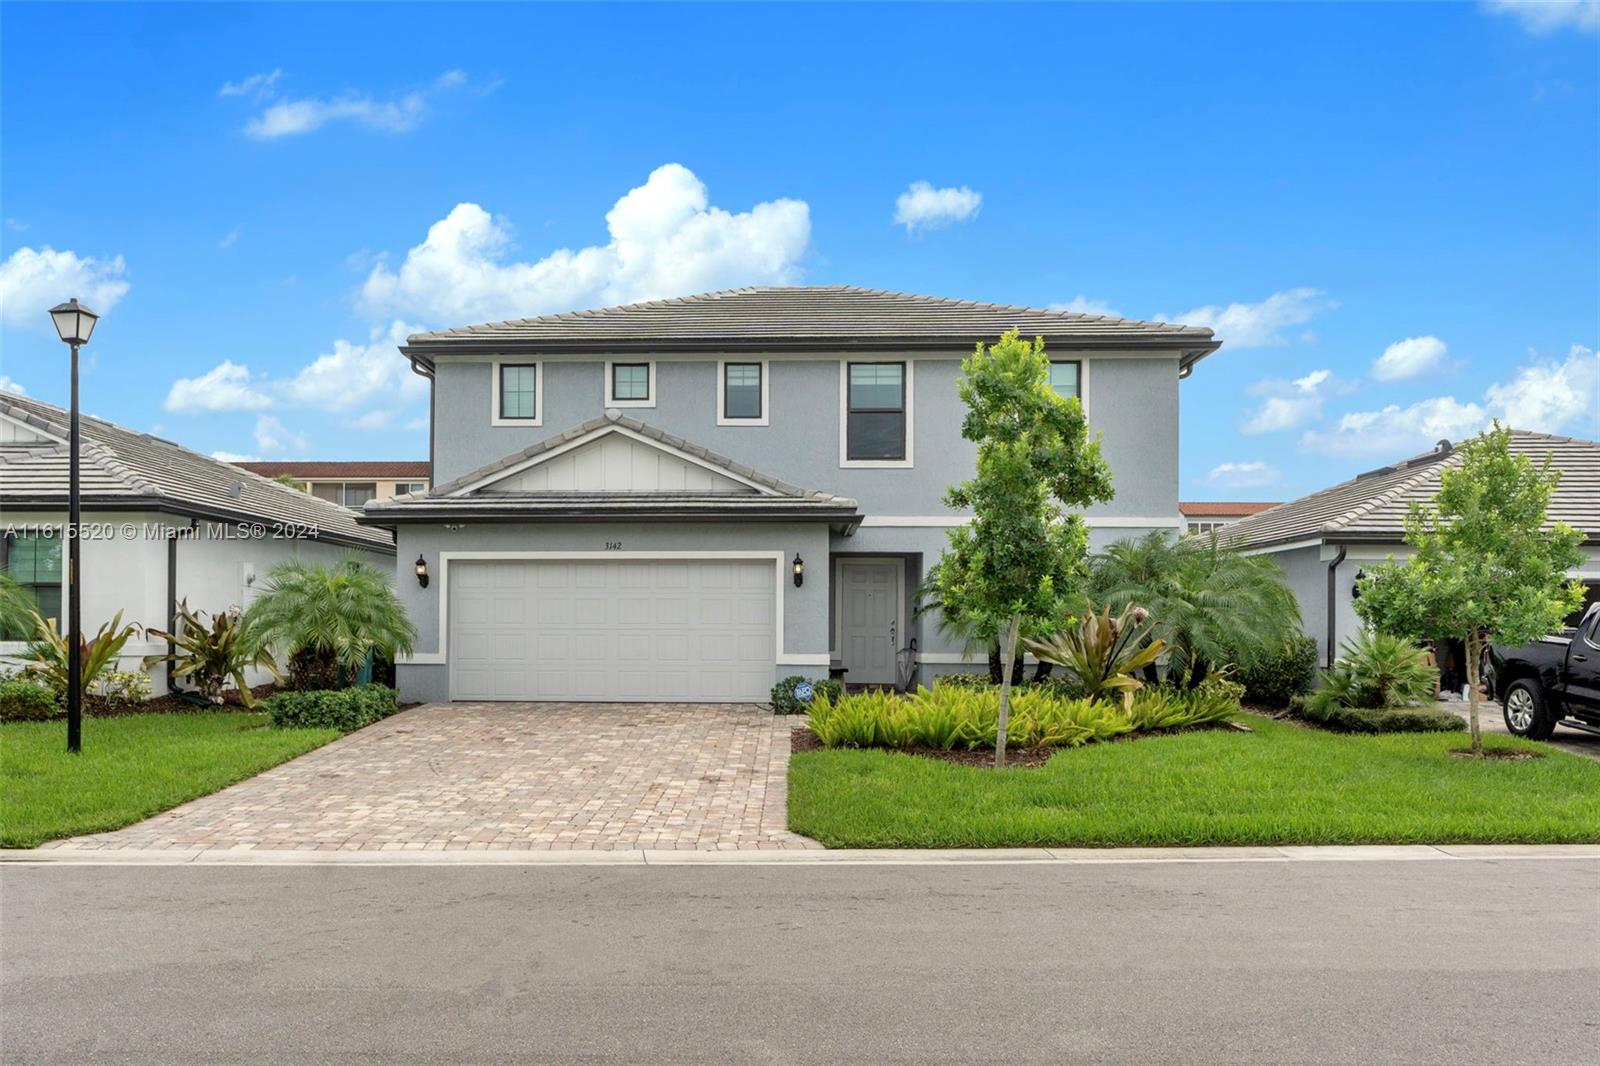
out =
column 74, row 323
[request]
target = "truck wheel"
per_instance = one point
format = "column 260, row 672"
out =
column 1526, row 713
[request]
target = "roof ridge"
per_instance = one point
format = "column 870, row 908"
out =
column 98, row 451
column 1400, row 487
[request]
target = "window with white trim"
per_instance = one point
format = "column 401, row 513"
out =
column 1066, row 377
column 630, row 381
column 34, row 563
column 741, row 391
column 519, row 391
column 875, row 412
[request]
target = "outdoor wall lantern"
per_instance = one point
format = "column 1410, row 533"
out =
column 799, row 570
column 1355, row 589
column 422, row 571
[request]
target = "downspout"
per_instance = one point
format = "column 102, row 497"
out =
column 173, row 536
column 1333, row 637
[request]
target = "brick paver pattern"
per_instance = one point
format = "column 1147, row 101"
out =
column 467, row 776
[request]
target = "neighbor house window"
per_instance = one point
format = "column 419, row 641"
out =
column 519, row 391
column 34, row 562
column 345, row 493
column 876, row 412
column 630, row 381
column 406, row 488
column 741, row 390
column 1067, row 379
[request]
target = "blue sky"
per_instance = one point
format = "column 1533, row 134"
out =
column 1389, row 212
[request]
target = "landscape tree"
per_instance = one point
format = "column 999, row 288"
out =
column 1016, row 566
column 328, row 617
column 1484, row 567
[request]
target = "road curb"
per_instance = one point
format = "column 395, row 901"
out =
column 876, row 857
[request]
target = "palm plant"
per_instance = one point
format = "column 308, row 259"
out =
column 1102, row 653
column 48, row 654
column 1213, row 605
column 16, row 606
column 1376, row 670
column 211, row 655
column 329, row 618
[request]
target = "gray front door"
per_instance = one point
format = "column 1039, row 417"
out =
column 871, row 594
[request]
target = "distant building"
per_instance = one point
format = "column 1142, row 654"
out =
column 351, row 484
column 1203, row 516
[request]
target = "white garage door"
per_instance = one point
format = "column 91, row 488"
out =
column 612, row 630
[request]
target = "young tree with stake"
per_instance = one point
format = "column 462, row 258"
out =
column 1484, row 568
column 1015, row 567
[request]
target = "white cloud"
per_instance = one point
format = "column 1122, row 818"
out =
column 1547, row 17
column 289, row 116
column 1288, row 404
column 8, row 385
column 260, row 86
column 228, row 241
column 1087, row 305
column 235, row 457
column 666, row 240
column 418, row 423
column 1545, row 396
column 1252, row 474
column 1409, row 358
column 922, row 206
column 1550, row 396
column 1258, row 325
column 228, row 386
column 34, row 280
column 372, row 420
column 353, row 375
column 273, row 437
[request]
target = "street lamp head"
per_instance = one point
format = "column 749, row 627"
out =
column 74, row 322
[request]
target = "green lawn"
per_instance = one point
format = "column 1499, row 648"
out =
column 129, row 769
column 1281, row 784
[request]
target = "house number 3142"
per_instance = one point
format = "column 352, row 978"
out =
column 613, row 545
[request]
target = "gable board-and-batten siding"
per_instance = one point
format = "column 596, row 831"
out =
column 617, row 463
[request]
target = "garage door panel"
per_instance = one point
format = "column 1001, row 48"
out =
column 611, row 629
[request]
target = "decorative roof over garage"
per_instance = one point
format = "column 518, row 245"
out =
column 686, row 481
column 1373, row 506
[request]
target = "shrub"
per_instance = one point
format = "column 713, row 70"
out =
column 959, row 716
column 329, row 618
column 1377, row 671
column 47, row 657
column 973, row 681
column 22, row 700
column 210, row 655
column 124, row 688
column 345, row 709
column 1101, row 653
column 794, row 694
column 1376, row 719
column 1273, row 678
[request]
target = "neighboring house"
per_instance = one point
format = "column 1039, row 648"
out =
column 1208, row 516
column 160, row 524
column 687, row 499
column 350, row 484
column 1322, row 541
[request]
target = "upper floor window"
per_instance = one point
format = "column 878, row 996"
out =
column 877, row 414
column 407, row 488
column 742, row 400
column 345, row 493
column 516, row 400
column 34, row 562
column 1066, row 377
column 630, row 384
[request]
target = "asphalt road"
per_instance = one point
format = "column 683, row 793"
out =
column 1340, row 962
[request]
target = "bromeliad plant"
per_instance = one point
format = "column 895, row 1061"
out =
column 1101, row 654
column 210, row 655
column 46, row 659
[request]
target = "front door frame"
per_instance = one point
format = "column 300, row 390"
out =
column 901, row 638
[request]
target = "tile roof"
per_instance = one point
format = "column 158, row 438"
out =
column 120, row 466
column 339, row 468
column 805, row 316
column 781, row 497
column 1220, row 509
column 1373, row 506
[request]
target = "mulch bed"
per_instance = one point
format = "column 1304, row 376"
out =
column 98, row 707
column 1498, row 753
column 802, row 740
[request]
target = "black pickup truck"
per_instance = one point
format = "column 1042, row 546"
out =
column 1553, row 680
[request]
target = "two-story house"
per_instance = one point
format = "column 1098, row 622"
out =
column 687, row 499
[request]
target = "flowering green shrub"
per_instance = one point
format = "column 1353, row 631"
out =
column 345, row 709
column 124, row 687
column 954, row 717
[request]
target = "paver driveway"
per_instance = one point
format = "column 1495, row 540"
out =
column 508, row 775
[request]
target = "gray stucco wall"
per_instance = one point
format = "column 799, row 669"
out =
column 1131, row 401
